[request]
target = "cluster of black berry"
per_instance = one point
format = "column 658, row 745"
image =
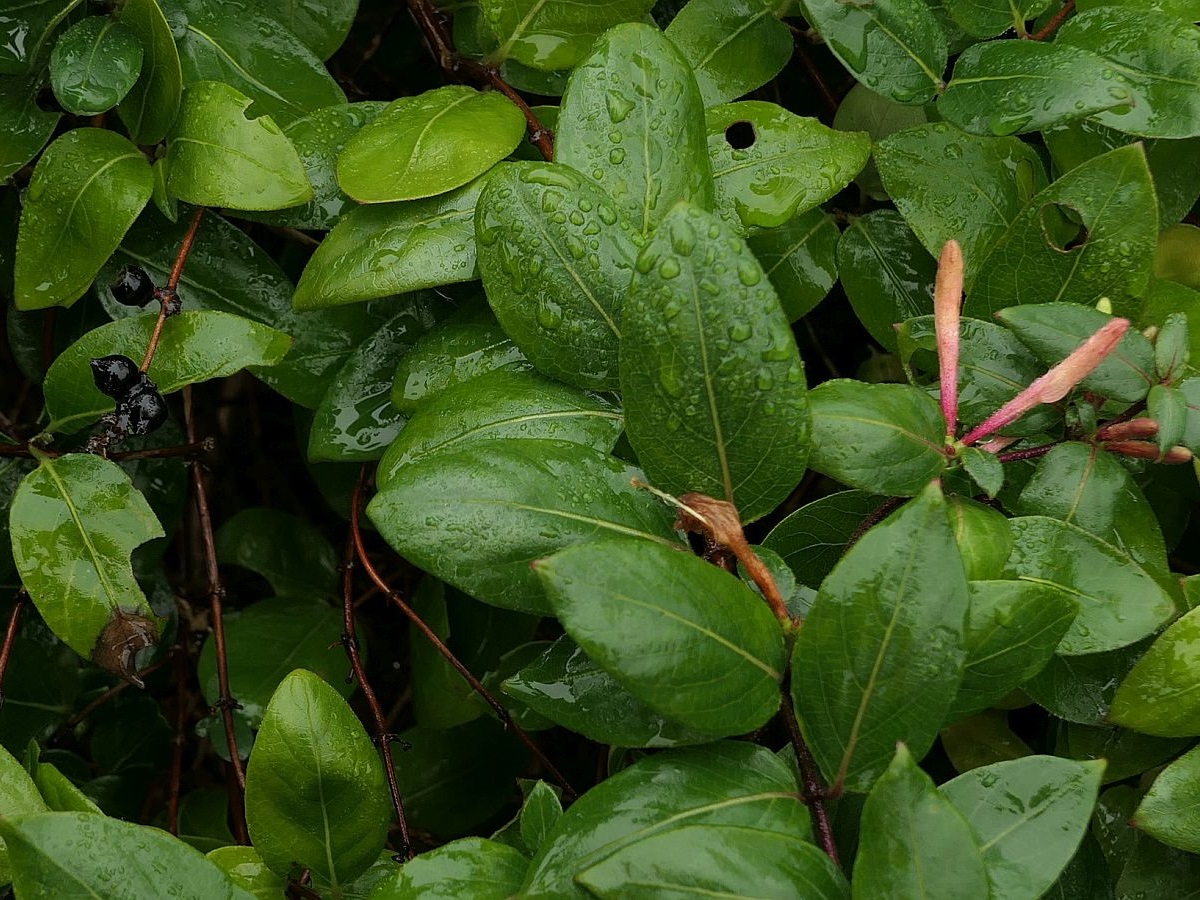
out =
column 140, row 407
column 133, row 287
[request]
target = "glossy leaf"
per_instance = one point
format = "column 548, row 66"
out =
column 632, row 121
column 86, row 190
column 27, row 127
column 879, row 438
column 812, row 539
column 19, row 796
column 989, row 18
column 1012, row 87
column 502, row 404
column 71, row 854
column 94, row 64
column 322, row 26
column 150, row 107
column 1165, row 812
column 913, row 842
column 566, row 686
column 864, row 110
column 23, row 36
column 195, row 346
column 1028, row 815
column 715, row 399
column 553, row 34
column 1081, row 688
column 315, row 789
column 734, row 47
column 682, row 636
column 800, row 259
column 790, row 166
column 469, row 867
column 74, row 521
column 426, row 145
column 927, row 171
column 476, row 517
column 218, row 157
column 237, row 42
column 246, row 869
column 556, row 259
column 896, row 47
column 726, row 784
column 880, row 656
column 1159, row 695
column 1114, row 197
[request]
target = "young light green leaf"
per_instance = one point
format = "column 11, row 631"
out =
column 195, row 346
column 985, row 470
column 71, row 854
column 913, row 842
column 800, row 259
column 94, row 64
column 150, row 107
column 556, row 259
column 1028, row 815
column 1159, row 696
column 715, row 399
column 216, row 156
column 553, row 34
column 19, row 796
column 74, row 521
column 541, row 810
column 315, row 789
column 429, row 144
column 1167, row 812
column 476, row 517
column 880, row 656
column 27, row 127
column 812, row 539
column 632, row 120
column 735, row 46
column 321, row 26
column 85, row 192
column 770, row 164
column 726, row 783
column 982, row 535
column 684, row 637
column 246, row 869
column 880, row 438
column 504, row 403
column 469, row 867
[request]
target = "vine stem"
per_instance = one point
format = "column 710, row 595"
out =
column 1027, row 453
column 813, row 788
column 393, row 596
column 382, row 736
column 1052, row 25
column 168, row 292
column 10, row 637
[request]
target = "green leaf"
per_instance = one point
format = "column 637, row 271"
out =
column 864, row 110
column 476, row 517
column 502, row 404
column 632, row 120
column 1175, row 256
column 1168, row 407
column 895, row 47
column 800, row 259
column 469, row 867
column 1167, row 812
column 1028, row 815
column 735, row 46
column 684, row 637
column 315, row 790
column 236, row 42
column 880, row 438
column 72, row 854
column 812, row 539
column 880, row 656
column 86, row 190
column 728, row 784
column 94, row 64
column 1172, row 348
column 1159, row 695
column 553, row 34
column 985, row 470
column 556, row 259
column 1110, row 256
column 886, row 273
column 1012, row 87
column 1081, row 688
column 27, row 127
column 150, row 107
column 55, row 788
column 1013, row 630
column 1053, row 330
column 989, row 18
column 1125, row 753
column 770, row 164
column 246, row 869
column 23, row 36
column 18, row 796
column 982, row 535
column 1119, row 603
column 948, row 184
column 426, row 145
column 1156, row 55
column 541, row 810
column 718, row 861
column 713, row 383
column 74, row 521
column 216, row 156
column 1154, row 869
column 356, row 419
column 566, row 686
column 914, row 843
column 322, row 26
column 195, row 346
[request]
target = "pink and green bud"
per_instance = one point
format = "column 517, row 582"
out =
column 947, row 302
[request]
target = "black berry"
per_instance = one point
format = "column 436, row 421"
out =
column 115, row 375
column 143, row 410
column 132, row 286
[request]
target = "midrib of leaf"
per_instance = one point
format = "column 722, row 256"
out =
column 526, row 417
column 250, row 79
column 503, row 50
column 104, row 29
column 328, row 837
column 929, row 73
column 58, row 866
column 97, row 562
column 732, row 36
column 793, row 247
column 880, row 423
column 710, row 393
column 233, row 151
column 416, row 145
column 573, row 517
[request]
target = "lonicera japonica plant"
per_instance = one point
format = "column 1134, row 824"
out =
column 415, row 486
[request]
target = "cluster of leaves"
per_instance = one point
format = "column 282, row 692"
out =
column 959, row 659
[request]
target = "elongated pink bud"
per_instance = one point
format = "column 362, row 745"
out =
column 947, row 301
column 1058, row 382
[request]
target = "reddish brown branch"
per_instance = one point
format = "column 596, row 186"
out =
column 167, row 297
column 10, row 637
column 394, row 597
column 1027, row 453
column 813, row 787
column 1052, row 25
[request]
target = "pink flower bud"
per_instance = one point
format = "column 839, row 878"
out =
column 947, row 301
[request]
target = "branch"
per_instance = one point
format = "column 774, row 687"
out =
column 168, row 295
column 1052, row 25
column 813, row 788
column 10, row 637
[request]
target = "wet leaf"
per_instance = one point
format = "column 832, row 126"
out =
column 812, row 539
column 245, row 868
column 150, row 107
column 27, row 127
column 1166, row 812
column 322, row 26
column 553, row 34
column 1159, row 695
column 800, row 259
column 989, row 18
column 19, row 796
column 23, row 36
column 469, row 867
column 292, row 555
column 94, row 64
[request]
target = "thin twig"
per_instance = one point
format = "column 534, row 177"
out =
column 178, row 738
column 813, row 788
column 1052, row 25
column 804, row 53
column 501, row 711
column 104, row 698
column 10, row 637
column 167, row 294
column 1027, row 453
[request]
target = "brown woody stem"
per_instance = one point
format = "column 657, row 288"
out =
column 10, row 637
column 185, row 249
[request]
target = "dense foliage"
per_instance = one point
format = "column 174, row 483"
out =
column 594, row 383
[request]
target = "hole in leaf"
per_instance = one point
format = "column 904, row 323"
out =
column 1063, row 227
column 741, row 135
